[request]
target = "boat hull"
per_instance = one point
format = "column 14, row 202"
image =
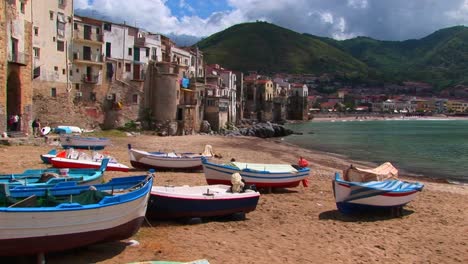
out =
column 164, row 206
column 27, row 230
column 84, row 142
column 371, row 201
column 82, row 164
column 146, row 160
column 219, row 174
column 36, row 245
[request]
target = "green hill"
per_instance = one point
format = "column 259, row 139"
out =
column 268, row 48
column 440, row 58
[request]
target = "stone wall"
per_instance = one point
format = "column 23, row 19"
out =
column 3, row 67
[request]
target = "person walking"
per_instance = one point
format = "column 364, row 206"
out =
column 36, row 126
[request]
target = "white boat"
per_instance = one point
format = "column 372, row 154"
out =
column 261, row 175
column 78, row 142
column 168, row 160
column 41, row 220
column 168, row 202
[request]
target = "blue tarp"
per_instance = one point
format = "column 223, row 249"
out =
column 185, row 82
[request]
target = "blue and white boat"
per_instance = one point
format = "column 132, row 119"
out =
column 354, row 197
column 78, row 142
column 38, row 220
column 53, row 176
column 261, row 175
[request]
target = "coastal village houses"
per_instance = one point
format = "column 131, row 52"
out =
column 73, row 70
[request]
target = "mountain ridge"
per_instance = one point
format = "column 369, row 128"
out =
column 440, row 58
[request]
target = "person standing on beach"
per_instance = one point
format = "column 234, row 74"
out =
column 36, row 126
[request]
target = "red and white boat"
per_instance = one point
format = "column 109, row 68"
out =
column 80, row 160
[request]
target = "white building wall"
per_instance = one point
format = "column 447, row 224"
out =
column 54, row 64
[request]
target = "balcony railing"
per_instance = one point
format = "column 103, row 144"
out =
column 90, row 78
column 88, row 57
column 80, row 35
column 18, row 57
column 189, row 102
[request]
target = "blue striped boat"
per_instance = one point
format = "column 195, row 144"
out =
column 37, row 220
column 353, row 197
column 53, row 176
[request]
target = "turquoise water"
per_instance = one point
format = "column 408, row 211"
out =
column 433, row 148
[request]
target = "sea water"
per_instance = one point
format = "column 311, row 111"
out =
column 432, row 148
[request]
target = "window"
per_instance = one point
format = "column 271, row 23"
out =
column 77, row 70
column 37, row 52
column 55, row 68
column 22, row 7
column 51, row 15
column 120, row 65
column 127, row 67
column 75, row 26
column 77, row 86
column 107, row 26
column 36, row 31
column 129, row 51
column 60, row 45
column 98, row 31
column 63, row 71
column 135, row 98
column 71, row 72
column 53, row 92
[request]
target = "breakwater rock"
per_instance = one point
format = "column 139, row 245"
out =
column 262, row 130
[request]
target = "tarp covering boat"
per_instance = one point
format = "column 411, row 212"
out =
column 386, row 171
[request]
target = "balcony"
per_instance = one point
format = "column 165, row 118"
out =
column 88, row 37
column 90, row 78
column 91, row 59
column 18, row 58
column 191, row 102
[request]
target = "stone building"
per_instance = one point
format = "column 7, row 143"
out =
column 259, row 99
column 16, row 64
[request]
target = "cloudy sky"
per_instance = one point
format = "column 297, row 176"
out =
column 339, row 19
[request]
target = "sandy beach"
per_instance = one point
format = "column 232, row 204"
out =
column 297, row 225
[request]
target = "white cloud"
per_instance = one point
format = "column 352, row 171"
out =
column 388, row 20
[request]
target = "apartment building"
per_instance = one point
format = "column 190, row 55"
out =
column 52, row 41
column 88, row 60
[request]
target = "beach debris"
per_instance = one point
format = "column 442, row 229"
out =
column 133, row 243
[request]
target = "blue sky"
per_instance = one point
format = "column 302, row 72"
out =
column 203, row 9
column 339, row 19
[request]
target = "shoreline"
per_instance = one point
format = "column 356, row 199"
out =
column 434, row 177
column 334, row 118
column 369, row 164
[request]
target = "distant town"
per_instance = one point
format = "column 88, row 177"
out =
column 69, row 69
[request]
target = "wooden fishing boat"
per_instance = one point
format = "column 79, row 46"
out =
column 72, row 158
column 168, row 160
column 78, row 142
column 261, row 175
column 169, row 202
column 40, row 220
column 52, row 176
column 355, row 197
